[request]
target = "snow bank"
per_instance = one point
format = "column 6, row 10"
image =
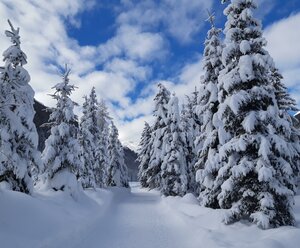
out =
column 118, row 217
column 38, row 220
column 209, row 229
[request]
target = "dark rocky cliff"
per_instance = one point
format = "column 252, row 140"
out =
column 41, row 117
column 132, row 164
column 296, row 120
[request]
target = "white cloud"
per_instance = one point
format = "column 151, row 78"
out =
column 128, row 68
column 283, row 45
column 181, row 19
column 133, row 43
column 283, row 41
column 186, row 17
column 131, row 131
column 192, row 72
column 264, row 7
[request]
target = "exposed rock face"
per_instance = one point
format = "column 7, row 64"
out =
column 297, row 120
column 132, row 164
column 42, row 116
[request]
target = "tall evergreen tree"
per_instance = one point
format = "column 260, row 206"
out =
column 158, row 131
column 117, row 170
column 283, row 98
column 192, row 103
column 61, row 155
column 207, row 164
column 189, row 128
column 124, row 169
column 103, row 120
column 94, row 129
column 174, row 165
column 18, row 136
column 256, row 178
column 285, row 104
column 144, row 150
column 88, row 147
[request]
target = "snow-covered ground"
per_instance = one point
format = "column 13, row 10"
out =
column 123, row 218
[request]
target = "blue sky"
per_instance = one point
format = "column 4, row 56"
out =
column 125, row 47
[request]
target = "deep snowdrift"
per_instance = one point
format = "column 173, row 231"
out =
column 127, row 219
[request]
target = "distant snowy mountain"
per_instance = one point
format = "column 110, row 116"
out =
column 132, row 146
column 42, row 117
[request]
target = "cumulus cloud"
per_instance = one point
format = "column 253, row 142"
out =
column 264, row 7
column 133, row 43
column 182, row 19
column 283, row 45
column 284, row 40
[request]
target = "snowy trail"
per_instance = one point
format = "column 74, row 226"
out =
column 127, row 218
column 135, row 219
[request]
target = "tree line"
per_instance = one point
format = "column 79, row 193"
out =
column 233, row 144
column 89, row 155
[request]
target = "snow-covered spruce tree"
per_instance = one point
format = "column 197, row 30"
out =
column 94, row 129
column 103, row 120
column 174, row 166
column 61, row 155
column 189, row 129
column 144, row 155
column 161, row 101
column 124, row 169
column 207, row 164
column 283, row 98
column 286, row 103
column 256, row 176
column 19, row 156
column 192, row 103
column 88, row 147
column 117, row 170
